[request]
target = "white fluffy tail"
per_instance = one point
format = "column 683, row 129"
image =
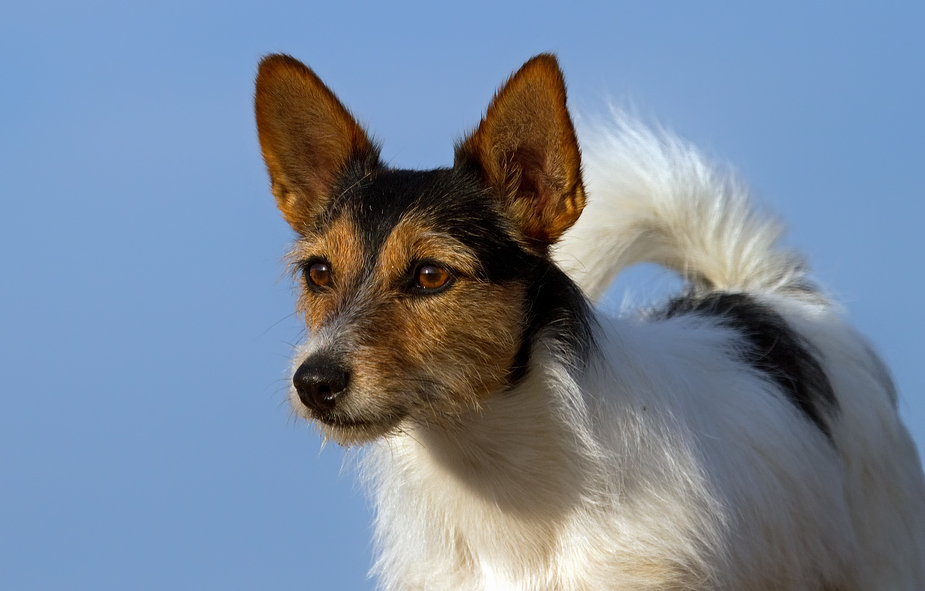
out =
column 655, row 198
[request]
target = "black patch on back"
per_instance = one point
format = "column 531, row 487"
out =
column 773, row 349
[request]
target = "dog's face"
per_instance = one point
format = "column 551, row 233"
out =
column 411, row 313
column 414, row 284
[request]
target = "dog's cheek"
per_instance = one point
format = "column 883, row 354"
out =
column 314, row 309
column 467, row 339
column 435, row 355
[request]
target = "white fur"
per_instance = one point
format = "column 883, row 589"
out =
column 668, row 464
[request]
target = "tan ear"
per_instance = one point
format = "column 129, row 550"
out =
column 308, row 138
column 526, row 149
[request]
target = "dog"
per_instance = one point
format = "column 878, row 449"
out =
column 739, row 436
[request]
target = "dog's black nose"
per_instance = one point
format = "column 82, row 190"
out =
column 320, row 381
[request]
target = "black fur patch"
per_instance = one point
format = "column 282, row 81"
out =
column 558, row 310
column 774, row 349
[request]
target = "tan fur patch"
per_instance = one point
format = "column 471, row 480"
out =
column 307, row 137
column 414, row 240
column 438, row 354
column 340, row 246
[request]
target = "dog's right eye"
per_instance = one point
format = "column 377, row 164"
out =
column 319, row 274
column 432, row 277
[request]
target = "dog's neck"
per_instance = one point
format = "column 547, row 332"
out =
column 506, row 478
column 560, row 320
column 518, row 439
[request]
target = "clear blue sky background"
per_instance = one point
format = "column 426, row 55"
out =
column 144, row 325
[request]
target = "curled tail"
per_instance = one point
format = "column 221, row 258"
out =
column 655, row 198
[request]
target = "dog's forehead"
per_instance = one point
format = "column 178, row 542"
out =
column 406, row 215
column 377, row 203
column 451, row 201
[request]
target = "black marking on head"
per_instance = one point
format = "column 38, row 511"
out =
column 452, row 201
column 773, row 349
column 456, row 201
column 558, row 311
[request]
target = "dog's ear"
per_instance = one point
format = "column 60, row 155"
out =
column 308, row 138
column 526, row 149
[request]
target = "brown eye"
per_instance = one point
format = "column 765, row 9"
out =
column 432, row 277
column 320, row 274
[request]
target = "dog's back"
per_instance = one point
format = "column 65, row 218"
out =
column 656, row 199
column 741, row 436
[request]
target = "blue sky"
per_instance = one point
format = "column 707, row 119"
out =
column 146, row 324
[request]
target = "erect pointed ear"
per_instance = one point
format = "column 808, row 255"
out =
column 526, row 149
column 308, row 138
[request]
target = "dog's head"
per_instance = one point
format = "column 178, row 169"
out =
column 417, row 287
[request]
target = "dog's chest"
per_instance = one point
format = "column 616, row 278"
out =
column 471, row 521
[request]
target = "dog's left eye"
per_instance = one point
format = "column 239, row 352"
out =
column 430, row 277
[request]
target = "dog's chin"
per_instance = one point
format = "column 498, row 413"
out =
column 350, row 432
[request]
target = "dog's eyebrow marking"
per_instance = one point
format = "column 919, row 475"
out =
column 413, row 239
column 340, row 244
column 773, row 348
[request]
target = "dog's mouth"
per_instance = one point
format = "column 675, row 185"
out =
column 349, row 430
column 339, row 422
column 358, row 416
